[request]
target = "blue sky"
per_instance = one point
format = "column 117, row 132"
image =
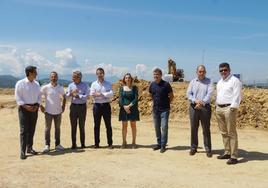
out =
column 135, row 36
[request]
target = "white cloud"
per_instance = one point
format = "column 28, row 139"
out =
column 13, row 61
column 67, row 61
column 10, row 61
column 109, row 69
column 141, row 70
column 33, row 58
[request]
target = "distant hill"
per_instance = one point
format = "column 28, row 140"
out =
column 258, row 85
column 62, row 82
column 8, row 81
column 89, row 78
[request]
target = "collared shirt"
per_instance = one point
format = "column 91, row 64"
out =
column 200, row 90
column 53, row 96
column 160, row 93
column 27, row 92
column 229, row 91
column 83, row 92
column 105, row 88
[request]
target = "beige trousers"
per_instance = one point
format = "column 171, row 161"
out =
column 226, row 118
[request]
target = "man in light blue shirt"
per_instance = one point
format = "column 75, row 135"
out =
column 199, row 94
column 101, row 92
column 78, row 93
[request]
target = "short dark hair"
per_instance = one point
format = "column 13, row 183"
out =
column 100, row 69
column 54, row 72
column 158, row 71
column 30, row 69
column 224, row 64
column 78, row 74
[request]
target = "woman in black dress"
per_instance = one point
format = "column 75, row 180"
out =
column 128, row 102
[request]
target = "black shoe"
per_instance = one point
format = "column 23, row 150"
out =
column 31, row 151
column 209, row 154
column 22, row 156
column 157, row 147
column 110, row 146
column 96, row 146
column 83, row 146
column 225, row 156
column 192, row 152
column 231, row 161
column 163, row 149
column 74, row 147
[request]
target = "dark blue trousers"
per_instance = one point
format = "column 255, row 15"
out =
column 102, row 110
column 27, row 128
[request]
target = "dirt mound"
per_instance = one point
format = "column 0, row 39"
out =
column 253, row 111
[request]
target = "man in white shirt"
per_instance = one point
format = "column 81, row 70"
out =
column 28, row 98
column 229, row 90
column 55, row 106
column 101, row 91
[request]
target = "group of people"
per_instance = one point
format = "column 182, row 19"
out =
column 28, row 95
column 228, row 98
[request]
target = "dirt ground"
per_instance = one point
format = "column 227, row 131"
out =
column 141, row 167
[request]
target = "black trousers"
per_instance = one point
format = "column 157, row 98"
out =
column 102, row 110
column 203, row 115
column 78, row 113
column 27, row 128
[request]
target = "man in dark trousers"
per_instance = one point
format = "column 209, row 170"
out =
column 162, row 95
column 28, row 98
column 78, row 92
column 101, row 92
column 199, row 94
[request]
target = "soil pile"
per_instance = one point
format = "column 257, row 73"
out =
column 253, row 111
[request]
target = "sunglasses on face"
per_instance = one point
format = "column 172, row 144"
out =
column 223, row 70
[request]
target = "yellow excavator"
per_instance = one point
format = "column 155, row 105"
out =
column 178, row 74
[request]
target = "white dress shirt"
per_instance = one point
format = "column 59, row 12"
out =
column 229, row 91
column 53, row 96
column 105, row 88
column 27, row 92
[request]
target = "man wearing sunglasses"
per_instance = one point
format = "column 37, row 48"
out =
column 228, row 99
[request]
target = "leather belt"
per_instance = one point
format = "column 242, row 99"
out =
column 78, row 104
column 223, row 105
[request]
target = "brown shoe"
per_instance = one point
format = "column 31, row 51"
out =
column 192, row 152
column 124, row 146
column 157, row 147
column 209, row 154
column 23, row 156
column 231, row 161
column 31, row 151
column 225, row 156
column 96, row 146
